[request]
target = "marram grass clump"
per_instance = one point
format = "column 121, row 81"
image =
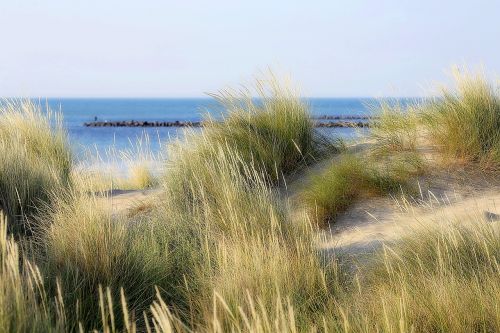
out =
column 239, row 238
column 465, row 121
column 234, row 228
column 83, row 247
column 347, row 179
column 439, row 278
column 24, row 303
column 36, row 160
column 272, row 129
column 395, row 129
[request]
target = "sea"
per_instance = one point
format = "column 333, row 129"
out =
column 102, row 140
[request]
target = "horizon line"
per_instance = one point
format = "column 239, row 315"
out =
column 197, row 97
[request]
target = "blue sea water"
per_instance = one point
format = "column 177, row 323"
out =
column 78, row 111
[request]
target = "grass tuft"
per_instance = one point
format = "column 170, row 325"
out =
column 465, row 121
column 332, row 191
column 440, row 279
column 273, row 130
column 36, row 160
column 83, row 246
column 23, row 298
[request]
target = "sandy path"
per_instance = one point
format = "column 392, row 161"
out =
column 126, row 201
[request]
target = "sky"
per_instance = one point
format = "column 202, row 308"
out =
column 184, row 48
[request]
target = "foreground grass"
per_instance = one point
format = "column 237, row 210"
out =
column 441, row 279
column 84, row 247
column 36, row 160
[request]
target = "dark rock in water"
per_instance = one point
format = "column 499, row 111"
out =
column 134, row 123
column 178, row 123
column 334, row 124
column 326, row 117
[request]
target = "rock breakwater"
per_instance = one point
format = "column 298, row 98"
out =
column 322, row 121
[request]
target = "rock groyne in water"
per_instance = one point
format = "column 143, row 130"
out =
column 322, row 121
column 146, row 123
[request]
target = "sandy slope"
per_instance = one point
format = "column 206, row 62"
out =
column 127, row 201
column 444, row 196
column 370, row 223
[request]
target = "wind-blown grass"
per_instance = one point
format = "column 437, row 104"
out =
column 241, row 232
column 346, row 179
column 135, row 167
column 220, row 216
column 23, row 299
column 220, row 188
column 83, row 246
column 465, row 121
column 440, row 279
column 396, row 128
column 274, row 130
column 142, row 164
column 36, row 160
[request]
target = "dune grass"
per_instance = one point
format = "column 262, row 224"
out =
column 270, row 126
column 219, row 210
column 396, row 128
column 242, row 233
column 23, row 300
column 349, row 178
column 141, row 163
column 465, row 121
column 390, row 165
column 236, row 235
column 36, row 160
column 442, row 278
column 83, row 246
column 222, row 250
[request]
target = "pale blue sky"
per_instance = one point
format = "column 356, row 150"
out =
column 183, row 48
